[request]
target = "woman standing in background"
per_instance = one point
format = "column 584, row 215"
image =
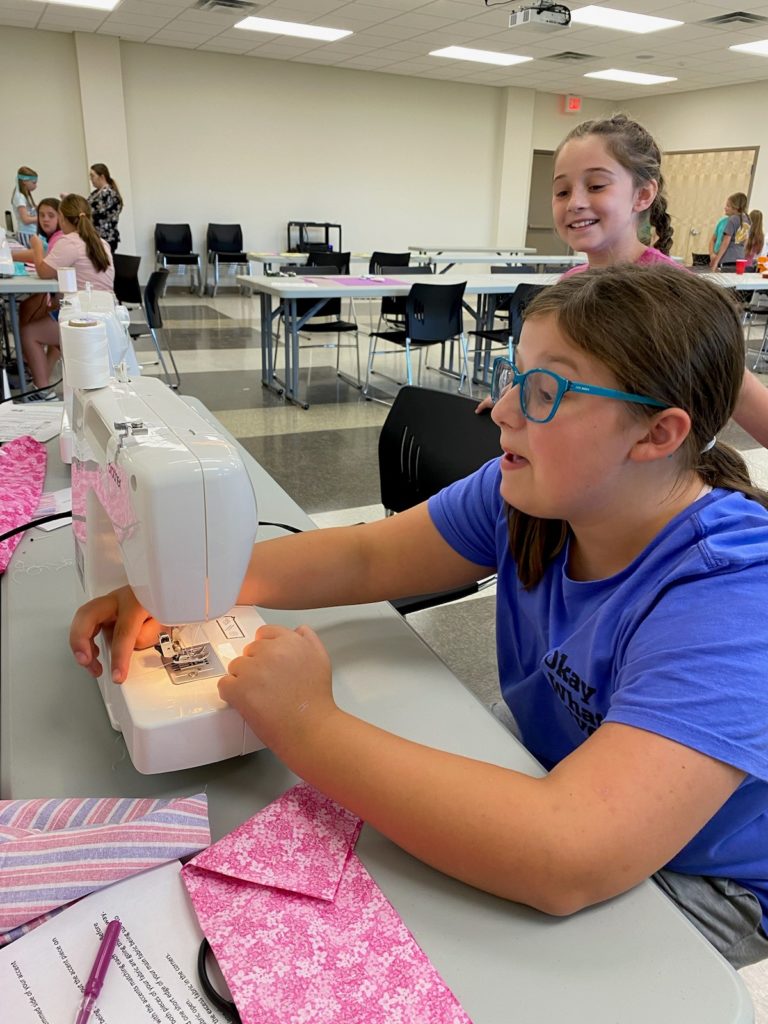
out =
column 106, row 203
column 736, row 231
column 23, row 204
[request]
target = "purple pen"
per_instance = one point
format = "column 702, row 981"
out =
column 98, row 973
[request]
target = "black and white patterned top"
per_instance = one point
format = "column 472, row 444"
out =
column 106, row 205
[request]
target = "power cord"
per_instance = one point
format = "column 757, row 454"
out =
column 34, row 522
column 26, row 394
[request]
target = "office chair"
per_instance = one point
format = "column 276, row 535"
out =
column 126, row 286
column 379, row 260
column 699, row 259
column 224, row 243
column 154, row 290
column 9, row 225
column 430, row 439
column 433, row 314
column 512, row 306
column 173, row 248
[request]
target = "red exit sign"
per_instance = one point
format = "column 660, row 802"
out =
column 572, row 104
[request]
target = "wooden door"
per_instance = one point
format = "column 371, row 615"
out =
column 698, row 183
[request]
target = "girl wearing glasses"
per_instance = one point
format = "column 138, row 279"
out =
column 632, row 558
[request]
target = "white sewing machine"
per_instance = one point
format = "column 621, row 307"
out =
column 162, row 501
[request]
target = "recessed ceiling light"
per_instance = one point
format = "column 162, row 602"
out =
column 635, row 77
column 481, row 56
column 293, row 28
column 93, row 5
column 760, row 47
column 622, row 21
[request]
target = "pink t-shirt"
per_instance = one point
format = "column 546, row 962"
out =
column 70, row 251
column 649, row 255
column 57, row 234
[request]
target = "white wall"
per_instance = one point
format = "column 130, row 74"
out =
column 42, row 125
column 397, row 161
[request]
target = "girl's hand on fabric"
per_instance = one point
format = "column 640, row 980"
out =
column 486, row 404
column 281, row 685
column 119, row 614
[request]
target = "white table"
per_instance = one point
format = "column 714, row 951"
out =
column 269, row 259
column 489, row 250
column 288, row 290
column 450, row 260
column 11, row 288
column 742, row 282
column 633, row 960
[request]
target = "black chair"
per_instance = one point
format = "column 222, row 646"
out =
column 126, row 286
column 523, row 268
column 379, row 260
column 512, row 306
column 433, row 314
column 9, row 225
column 173, row 248
column 154, row 290
column 699, row 259
column 430, row 439
column 392, row 310
column 224, row 243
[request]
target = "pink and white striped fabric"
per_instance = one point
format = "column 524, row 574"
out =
column 53, row 852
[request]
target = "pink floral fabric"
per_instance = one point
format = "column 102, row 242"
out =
column 22, row 474
column 302, row 932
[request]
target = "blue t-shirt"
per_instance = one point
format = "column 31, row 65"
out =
column 675, row 644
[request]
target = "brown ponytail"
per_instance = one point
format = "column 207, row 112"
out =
column 103, row 171
column 664, row 333
column 77, row 211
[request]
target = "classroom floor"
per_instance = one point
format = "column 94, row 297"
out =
column 326, row 459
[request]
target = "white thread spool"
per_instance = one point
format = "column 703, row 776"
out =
column 86, row 353
column 67, row 280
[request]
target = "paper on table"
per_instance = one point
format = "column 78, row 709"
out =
column 152, row 976
column 52, row 502
column 41, row 420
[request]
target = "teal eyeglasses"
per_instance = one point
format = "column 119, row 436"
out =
column 541, row 391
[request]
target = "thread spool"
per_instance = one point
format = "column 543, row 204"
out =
column 67, row 280
column 86, row 353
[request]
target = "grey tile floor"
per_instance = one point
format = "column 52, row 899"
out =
column 325, row 458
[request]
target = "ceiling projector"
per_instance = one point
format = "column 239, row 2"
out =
column 544, row 17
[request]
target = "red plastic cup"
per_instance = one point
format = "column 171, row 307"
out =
column 741, row 266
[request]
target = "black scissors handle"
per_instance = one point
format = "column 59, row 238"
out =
column 225, row 1005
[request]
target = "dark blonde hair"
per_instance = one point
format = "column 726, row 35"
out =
column 756, row 239
column 739, row 202
column 635, row 149
column 103, row 171
column 76, row 210
column 23, row 187
column 663, row 333
column 54, row 205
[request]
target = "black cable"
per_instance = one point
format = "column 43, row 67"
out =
column 35, row 522
column 281, row 526
column 26, row 394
